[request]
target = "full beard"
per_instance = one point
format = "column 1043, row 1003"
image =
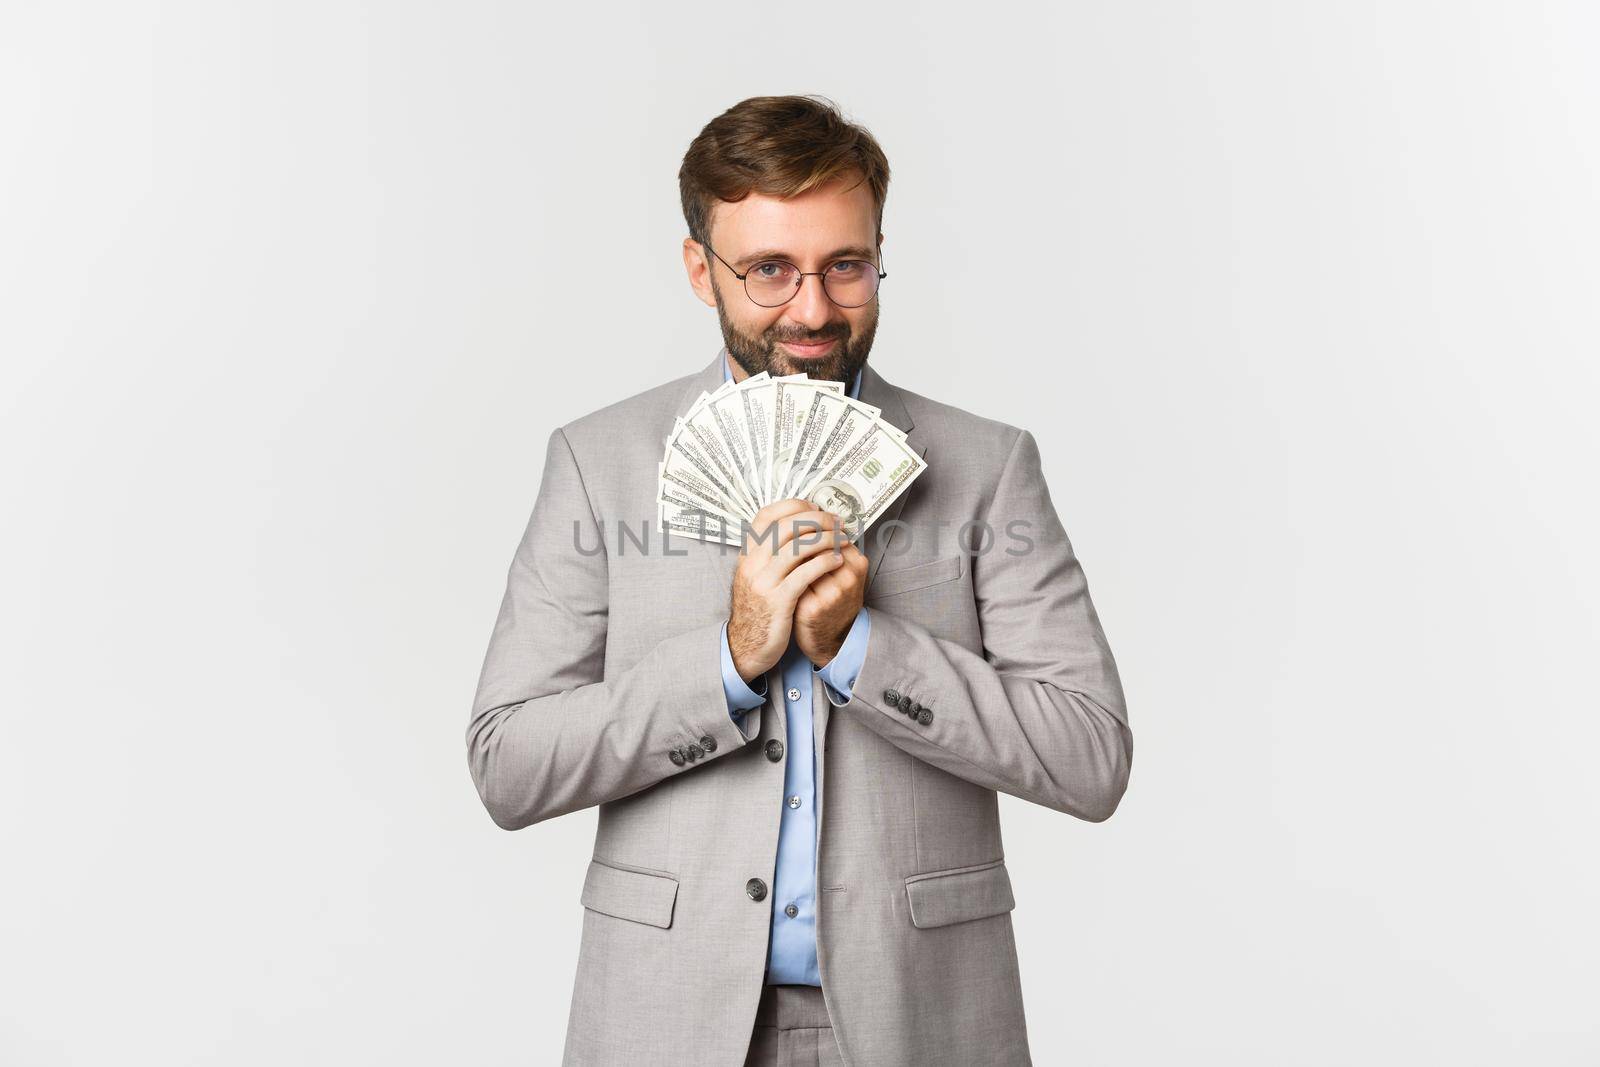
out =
column 757, row 354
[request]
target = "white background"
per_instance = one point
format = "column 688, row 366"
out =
column 1298, row 299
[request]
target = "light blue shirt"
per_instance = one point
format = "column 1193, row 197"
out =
column 792, row 951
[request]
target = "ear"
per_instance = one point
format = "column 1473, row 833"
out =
column 696, row 263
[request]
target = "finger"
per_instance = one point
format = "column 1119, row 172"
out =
column 785, row 563
column 807, row 527
column 807, row 606
column 851, row 576
column 829, row 583
column 821, row 599
column 802, row 576
column 773, row 512
column 785, row 527
column 840, row 582
column 779, row 508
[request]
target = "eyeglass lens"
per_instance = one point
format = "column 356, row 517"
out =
column 849, row 282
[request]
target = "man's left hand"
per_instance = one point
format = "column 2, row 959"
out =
column 827, row 609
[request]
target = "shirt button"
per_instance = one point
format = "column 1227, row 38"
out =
column 794, row 694
column 774, row 749
column 794, row 801
column 790, row 910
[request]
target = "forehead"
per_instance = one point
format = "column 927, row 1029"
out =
column 814, row 223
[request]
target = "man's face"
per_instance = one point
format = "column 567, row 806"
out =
column 808, row 230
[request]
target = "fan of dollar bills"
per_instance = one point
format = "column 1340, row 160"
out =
column 764, row 439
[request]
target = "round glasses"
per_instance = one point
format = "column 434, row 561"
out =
column 773, row 282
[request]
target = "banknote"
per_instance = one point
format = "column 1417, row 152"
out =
column 746, row 444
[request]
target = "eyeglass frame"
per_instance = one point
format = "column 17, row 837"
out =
column 803, row 275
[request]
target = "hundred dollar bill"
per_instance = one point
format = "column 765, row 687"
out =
column 683, row 485
column 866, row 479
column 699, row 441
column 757, row 423
column 834, row 424
column 687, row 468
column 724, row 414
column 791, row 407
column 746, row 444
column 698, row 524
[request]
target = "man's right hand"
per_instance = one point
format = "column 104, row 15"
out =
column 770, row 578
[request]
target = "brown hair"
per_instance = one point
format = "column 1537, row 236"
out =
column 778, row 146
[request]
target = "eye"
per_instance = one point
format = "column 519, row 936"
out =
column 771, row 270
column 850, row 268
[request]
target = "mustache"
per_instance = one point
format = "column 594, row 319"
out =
column 818, row 339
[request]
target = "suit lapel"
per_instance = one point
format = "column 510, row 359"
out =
column 882, row 394
column 878, row 392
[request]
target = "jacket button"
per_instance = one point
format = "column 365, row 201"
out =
column 756, row 889
column 905, row 703
column 774, row 750
column 914, row 710
column 695, row 752
column 676, row 756
column 891, row 697
column 708, row 743
column 925, row 716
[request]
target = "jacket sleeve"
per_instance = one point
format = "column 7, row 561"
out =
column 548, row 733
column 1040, row 715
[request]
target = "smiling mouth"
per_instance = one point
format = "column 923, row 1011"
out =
column 818, row 349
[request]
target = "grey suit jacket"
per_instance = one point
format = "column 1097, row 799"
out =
column 604, row 661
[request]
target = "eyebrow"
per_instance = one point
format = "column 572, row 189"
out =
column 851, row 251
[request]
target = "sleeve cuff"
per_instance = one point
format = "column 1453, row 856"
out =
column 840, row 674
column 741, row 698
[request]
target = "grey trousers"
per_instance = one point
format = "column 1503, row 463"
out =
column 792, row 1029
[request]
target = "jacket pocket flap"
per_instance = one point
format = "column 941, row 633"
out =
column 941, row 898
column 917, row 576
column 643, row 898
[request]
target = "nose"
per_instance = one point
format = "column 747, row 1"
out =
column 811, row 307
